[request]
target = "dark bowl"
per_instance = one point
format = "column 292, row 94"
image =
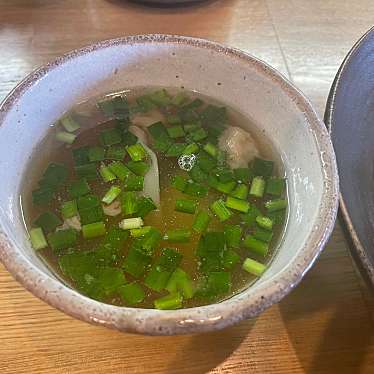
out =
column 350, row 118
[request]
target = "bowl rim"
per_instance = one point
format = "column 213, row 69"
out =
column 357, row 248
column 198, row 319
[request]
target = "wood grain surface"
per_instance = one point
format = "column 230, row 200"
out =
column 326, row 324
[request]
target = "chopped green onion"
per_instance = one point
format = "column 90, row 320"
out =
column 257, row 187
column 54, row 176
column 181, row 282
column 79, row 188
column 96, row 154
column 128, row 138
column 151, row 240
column 263, row 168
column 106, row 173
column 145, row 205
column 201, row 221
column 69, row 209
column 250, row 217
column 277, row 216
column 263, row 235
column 199, row 135
column 176, row 150
column 169, row 302
column 138, row 167
column 116, row 152
column 173, row 119
column 230, row 259
column 253, row 267
column 220, row 210
column 275, row 186
column 233, row 235
column 158, row 131
column 195, row 189
column 224, row 174
column 191, row 148
column 136, row 261
column 175, row 131
column 42, row 196
column 69, row 124
column 138, row 233
column 160, row 97
column 185, row 206
column 119, row 169
column 137, row 152
column 131, row 293
column 205, row 162
column 48, row 221
column 62, row 239
column 111, row 194
column 243, row 175
column 255, row 245
column 179, row 183
column 211, row 149
column 162, row 144
column 134, row 183
column 162, row 269
column 179, row 99
column 87, row 171
column 191, row 127
column 37, row 239
column 240, row 192
column 90, row 209
column 131, row 223
column 129, row 203
column 225, row 188
column 219, row 282
column 110, row 137
column 198, row 175
column 178, row 235
column 213, row 241
column 145, row 103
column 237, row 204
column 274, row 205
column 80, row 155
column 65, row 137
column 93, row 230
column 264, row 222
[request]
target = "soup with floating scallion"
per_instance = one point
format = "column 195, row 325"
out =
column 155, row 198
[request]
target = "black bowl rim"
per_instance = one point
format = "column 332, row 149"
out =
column 358, row 250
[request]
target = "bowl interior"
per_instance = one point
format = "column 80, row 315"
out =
column 237, row 80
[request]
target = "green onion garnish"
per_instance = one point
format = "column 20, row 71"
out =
column 237, row 204
column 93, row 230
column 62, row 239
column 191, row 148
column 110, row 137
column 263, row 235
column 240, row 192
column 274, row 205
column 48, row 221
column 142, row 231
column 175, row 132
column 137, row 152
column 69, row 124
column 178, row 235
column 275, row 186
column 131, row 293
column 119, row 169
column 230, row 259
column 37, row 239
column 211, row 149
column 138, row 167
column 131, row 223
column 87, row 171
column 262, row 167
column 257, row 187
column 65, row 137
column 96, row 154
column 233, row 234
column 79, row 188
column 111, row 194
column 201, row 221
column 106, row 173
column 185, row 206
column 169, row 302
column 69, row 209
column 264, row 222
column 181, row 282
column 255, row 245
column 134, row 183
column 179, row 183
column 129, row 203
column 116, row 152
column 253, row 267
column 220, row 210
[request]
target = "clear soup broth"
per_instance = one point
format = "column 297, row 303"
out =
column 155, row 198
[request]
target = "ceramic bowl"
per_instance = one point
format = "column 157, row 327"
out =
column 350, row 118
column 235, row 78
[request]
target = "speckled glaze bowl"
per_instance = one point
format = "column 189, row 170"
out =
column 228, row 75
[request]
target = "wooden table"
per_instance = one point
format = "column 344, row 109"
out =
column 325, row 325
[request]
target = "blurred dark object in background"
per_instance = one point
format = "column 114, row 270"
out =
column 166, row 2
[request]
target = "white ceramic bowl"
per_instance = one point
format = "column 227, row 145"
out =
column 230, row 76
